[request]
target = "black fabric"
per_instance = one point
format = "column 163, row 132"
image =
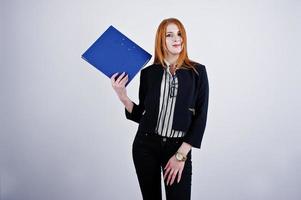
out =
column 151, row 153
column 191, row 107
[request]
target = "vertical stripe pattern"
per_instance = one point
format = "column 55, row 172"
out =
column 168, row 94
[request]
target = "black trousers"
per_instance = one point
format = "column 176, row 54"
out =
column 151, row 153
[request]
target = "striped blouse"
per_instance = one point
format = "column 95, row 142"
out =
column 168, row 94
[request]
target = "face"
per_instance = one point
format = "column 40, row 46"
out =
column 173, row 40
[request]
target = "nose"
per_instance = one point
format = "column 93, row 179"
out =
column 176, row 38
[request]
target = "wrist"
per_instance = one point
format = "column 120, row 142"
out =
column 124, row 99
column 180, row 156
column 184, row 148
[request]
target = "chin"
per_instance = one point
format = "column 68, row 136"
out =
column 175, row 52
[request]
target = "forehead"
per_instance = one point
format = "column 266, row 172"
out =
column 172, row 28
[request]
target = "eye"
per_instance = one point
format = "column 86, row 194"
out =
column 168, row 35
column 179, row 34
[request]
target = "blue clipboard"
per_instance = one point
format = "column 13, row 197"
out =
column 114, row 52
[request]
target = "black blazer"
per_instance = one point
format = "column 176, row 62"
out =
column 190, row 114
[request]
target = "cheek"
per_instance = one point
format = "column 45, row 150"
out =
column 170, row 48
column 168, row 43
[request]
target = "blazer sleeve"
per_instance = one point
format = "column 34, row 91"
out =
column 195, row 133
column 137, row 111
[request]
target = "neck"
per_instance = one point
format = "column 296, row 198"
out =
column 171, row 59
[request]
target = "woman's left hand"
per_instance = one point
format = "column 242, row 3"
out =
column 172, row 169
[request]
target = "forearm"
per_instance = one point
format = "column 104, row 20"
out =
column 184, row 148
column 127, row 102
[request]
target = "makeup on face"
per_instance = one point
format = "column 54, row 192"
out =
column 173, row 39
column 174, row 36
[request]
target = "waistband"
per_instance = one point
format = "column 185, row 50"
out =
column 159, row 137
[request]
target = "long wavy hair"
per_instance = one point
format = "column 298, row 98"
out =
column 160, row 45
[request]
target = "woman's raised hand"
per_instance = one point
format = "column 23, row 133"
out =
column 119, row 85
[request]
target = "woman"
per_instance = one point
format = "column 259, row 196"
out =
column 172, row 114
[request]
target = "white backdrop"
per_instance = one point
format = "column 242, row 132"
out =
column 64, row 134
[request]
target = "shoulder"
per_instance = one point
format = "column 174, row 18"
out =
column 152, row 67
column 199, row 67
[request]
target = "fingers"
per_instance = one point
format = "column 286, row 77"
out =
column 171, row 176
column 179, row 176
column 120, row 77
column 173, row 172
column 124, row 80
column 167, row 165
column 121, row 80
column 166, row 173
column 113, row 77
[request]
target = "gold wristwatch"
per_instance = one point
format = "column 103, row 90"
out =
column 180, row 156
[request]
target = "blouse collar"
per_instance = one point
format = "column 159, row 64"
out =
column 167, row 64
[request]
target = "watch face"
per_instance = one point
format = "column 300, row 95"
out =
column 179, row 156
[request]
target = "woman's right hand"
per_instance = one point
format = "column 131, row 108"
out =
column 119, row 85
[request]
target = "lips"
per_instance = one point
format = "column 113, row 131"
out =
column 176, row 45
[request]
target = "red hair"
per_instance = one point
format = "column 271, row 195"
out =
column 160, row 44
